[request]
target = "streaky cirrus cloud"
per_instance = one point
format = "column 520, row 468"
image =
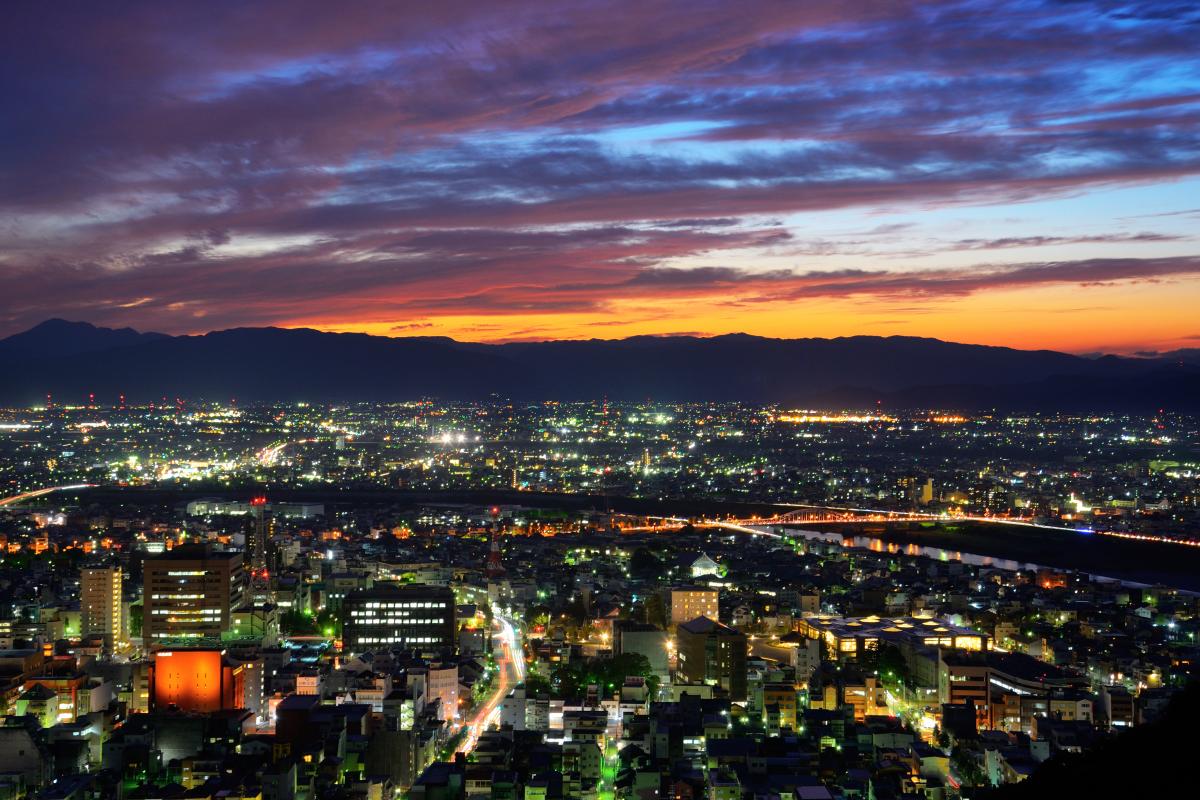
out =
column 186, row 166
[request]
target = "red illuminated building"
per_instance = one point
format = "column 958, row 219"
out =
column 196, row 680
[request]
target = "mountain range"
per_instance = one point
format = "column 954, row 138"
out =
column 72, row 359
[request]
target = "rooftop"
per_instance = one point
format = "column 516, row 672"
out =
column 389, row 591
column 702, row 625
column 875, row 626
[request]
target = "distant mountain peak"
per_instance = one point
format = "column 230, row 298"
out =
column 58, row 323
column 57, row 337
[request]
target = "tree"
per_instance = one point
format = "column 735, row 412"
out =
column 297, row 623
column 656, row 610
column 329, row 623
column 576, row 611
column 644, row 565
column 967, row 767
column 537, row 614
column 607, row 673
column 889, row 662
column 616, row 669
column 942, row 737
column 536, row 684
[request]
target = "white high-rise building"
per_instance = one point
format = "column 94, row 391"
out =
column 100, row 604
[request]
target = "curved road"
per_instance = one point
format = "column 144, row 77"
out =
column 511, row 661
column 18, row 498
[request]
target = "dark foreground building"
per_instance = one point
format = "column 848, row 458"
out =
column 712, row 653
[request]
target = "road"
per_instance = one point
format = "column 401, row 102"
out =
column 763, row 647
column 510, row 658
column 17, row 498
column 269, row 456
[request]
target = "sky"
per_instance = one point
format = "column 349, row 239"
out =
column 1009, row 172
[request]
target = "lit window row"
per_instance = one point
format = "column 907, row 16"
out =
column 380, row 619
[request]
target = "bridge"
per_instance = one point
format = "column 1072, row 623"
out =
column 813, row 514
column 23, row 496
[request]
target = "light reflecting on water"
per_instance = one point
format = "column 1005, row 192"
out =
column 878, row 545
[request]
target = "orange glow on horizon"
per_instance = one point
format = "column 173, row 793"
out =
column 1118, row 318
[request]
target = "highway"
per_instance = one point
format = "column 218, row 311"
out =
column 18, row 498
column 269, row 456
column 510, row 658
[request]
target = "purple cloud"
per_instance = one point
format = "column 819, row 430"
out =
column 184, row 166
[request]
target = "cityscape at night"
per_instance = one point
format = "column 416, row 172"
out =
column 604, row 400
column 582, row 598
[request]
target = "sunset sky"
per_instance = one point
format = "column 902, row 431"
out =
column 1016, row 173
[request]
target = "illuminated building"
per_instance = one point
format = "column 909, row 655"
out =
column 688, row 602
column 255, row 624
column 196, row 680
column 440, row 683
column 253, row 679
column 75, row 695
column 862, row 693
column 100, row 604
column 392, row 616
column 259, row 530
column 850, row 637
column 191, row 593
column 781, row 696
column 1010, row 689
column 713, row 654
column 704, row 565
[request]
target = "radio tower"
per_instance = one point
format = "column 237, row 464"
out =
column 495, row 568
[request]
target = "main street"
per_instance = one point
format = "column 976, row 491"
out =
column 510, row 663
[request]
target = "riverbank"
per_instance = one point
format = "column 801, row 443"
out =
column 1015, row 547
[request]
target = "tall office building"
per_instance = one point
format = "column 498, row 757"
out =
column 191, row 592
column 416, row 617
column 100, row 604
column 259, row 529
column 712, row 653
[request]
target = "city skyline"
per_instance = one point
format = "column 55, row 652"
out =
column 1016, row 173
column 601, row 400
